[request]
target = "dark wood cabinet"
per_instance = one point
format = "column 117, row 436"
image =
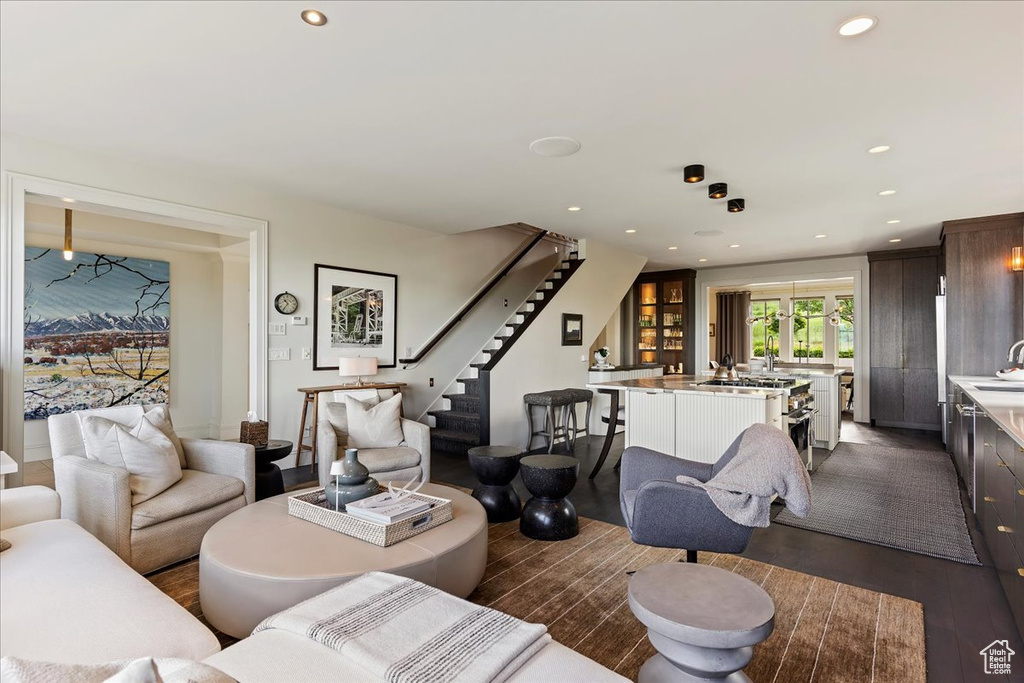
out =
column 904, row 374
column 984, row 298
column 663, row 321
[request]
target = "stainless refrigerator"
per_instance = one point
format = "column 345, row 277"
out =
column 940, row 355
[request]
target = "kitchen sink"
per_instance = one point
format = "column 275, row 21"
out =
column 1018, row 388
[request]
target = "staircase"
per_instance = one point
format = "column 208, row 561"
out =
column 456, row 428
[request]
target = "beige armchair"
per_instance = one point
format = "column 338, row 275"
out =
column 218, row 478
column 407, row 461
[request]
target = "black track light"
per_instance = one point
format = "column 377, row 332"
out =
column 717, row 190
column 693, row 173
column 736, row 205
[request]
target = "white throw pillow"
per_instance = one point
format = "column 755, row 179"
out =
column 146, row 453
column 159, row 415
column 379, row 426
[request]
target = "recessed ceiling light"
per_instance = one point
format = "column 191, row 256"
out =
column 879, row 149
column 894, row 221
column 556, row 146
column 818, row 237
column 314, row 17
column 631, row 231
column 855, row 26
column 702, row 260
column 709, row 233
column 68, row 200
column 574, row 208
column 672, row 248
column 886, row 193
column 734, row 246
column 895, row 240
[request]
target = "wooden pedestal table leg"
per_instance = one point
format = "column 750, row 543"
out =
column 312, row 434
column 613, row 416
column 300, row 445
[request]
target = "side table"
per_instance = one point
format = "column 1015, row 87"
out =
column 269, row 481
column 703, row 621
column 495, row 467
column 549, row 516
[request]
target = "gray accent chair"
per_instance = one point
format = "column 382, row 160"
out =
column 405, row 462
column 218, row 477
column 659, row 511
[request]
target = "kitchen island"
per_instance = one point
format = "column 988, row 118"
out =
column 682, row 416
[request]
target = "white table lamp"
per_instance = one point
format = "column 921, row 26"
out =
column 357, row 367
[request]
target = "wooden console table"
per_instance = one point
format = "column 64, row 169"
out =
column 309, row 395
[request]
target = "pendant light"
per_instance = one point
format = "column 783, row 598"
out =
column 736, row 205
column 717, row 190
column 693, row 173
column 68, row 251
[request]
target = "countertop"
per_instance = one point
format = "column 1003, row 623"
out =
column 625, row 368
column 1006, row 408
column 684, row 384
column 788, row 372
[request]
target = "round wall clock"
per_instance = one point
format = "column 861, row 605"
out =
column 286, row 303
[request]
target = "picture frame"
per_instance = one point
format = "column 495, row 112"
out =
column 355, row 315
column 572, row 329
column 711, row 329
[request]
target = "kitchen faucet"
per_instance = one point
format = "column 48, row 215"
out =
column 769, row 357
column 1020, row 356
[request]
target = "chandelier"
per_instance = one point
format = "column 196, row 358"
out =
column 835, row 317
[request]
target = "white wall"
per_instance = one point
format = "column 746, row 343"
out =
column 538, row 362
column 437, row 273
column 855, row 267
column 197, row 342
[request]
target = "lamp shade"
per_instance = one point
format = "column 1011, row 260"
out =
column 357, row 367
column 337, row 468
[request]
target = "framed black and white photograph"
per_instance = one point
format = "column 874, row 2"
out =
column 354, row 316
column 572, row 329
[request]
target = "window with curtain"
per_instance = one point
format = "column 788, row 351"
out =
column 808, row 332
column 844, row 332
column 759, row 331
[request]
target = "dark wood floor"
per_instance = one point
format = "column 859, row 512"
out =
column 964, row 606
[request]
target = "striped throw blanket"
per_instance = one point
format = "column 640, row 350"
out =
column 403, row 631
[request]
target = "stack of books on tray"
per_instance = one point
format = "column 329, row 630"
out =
column 383, row 508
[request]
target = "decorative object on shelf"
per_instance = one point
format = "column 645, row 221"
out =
column 286, row 303
column 1017, row 259
column 352, row 481
column 694, row 173
column 601, row 356
column 711, row 329
column 572, row 329
column 737, row 205
column 718, row 190
column 357, row 367
column 354, row 316
column 97, row 332
column 254, row 431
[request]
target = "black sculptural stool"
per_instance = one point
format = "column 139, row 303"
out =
column 549, row 516
column 495, row 467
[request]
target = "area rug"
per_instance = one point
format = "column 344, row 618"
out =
column 897, row 497
column 824, row 630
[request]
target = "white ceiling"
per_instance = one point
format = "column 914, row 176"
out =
column 422, row 112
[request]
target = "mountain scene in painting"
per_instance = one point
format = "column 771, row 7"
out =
column 97, row 331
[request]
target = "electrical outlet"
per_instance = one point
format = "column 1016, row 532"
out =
column 431, row 381
column 583, row 359
column 506, row 303
column 279, row 354
column 307, row 354
column 277, row 329
column 408, row 352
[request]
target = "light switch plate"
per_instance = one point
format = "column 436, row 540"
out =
column 298, row 320
column 277, row 329
column 279, row 354
column 307, row 354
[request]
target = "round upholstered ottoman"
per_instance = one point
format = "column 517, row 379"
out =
column 704, row 621
column 260, row 560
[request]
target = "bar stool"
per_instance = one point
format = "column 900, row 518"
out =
column 580, row 396
column 555, row 421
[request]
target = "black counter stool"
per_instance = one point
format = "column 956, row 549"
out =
column 549, row 516
column 496, row 467
column 556, row 413
column 580, row 396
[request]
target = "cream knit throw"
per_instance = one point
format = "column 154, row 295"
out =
column 403, row 631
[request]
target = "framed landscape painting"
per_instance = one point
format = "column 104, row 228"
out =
column 97, row 332
column 354, row 315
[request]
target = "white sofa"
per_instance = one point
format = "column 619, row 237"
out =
column 65, row 597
